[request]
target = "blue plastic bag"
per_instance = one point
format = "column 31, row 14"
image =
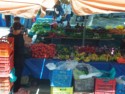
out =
column 13, row 78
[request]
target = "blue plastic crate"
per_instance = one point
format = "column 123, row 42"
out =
column 61, row 78
column 47, row 28
column 42, row 20
column 120, row 89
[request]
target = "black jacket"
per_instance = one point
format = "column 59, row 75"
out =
column 18, row 44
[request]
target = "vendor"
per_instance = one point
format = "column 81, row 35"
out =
column 67, row 11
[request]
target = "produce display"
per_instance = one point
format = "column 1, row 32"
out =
column 89, row 53
column 40, row 50
column 79, row 53
column 40, row 28
column 46, row 30
column 64, row 52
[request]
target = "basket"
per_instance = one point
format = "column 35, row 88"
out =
column 84, row 85
column 105, row 86
column 6, row 46
column 61, row 90
column 61, row 78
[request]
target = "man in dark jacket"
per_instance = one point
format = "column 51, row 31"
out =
column 18, row 53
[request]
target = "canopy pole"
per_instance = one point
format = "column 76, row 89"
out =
column 84, row 31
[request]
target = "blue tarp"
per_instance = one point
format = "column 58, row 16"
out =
column 2, row 21
column 34, row 67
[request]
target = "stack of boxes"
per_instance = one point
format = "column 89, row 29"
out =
column 61, row 82
column 6, row 64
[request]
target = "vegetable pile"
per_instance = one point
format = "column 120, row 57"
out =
column 40, row 50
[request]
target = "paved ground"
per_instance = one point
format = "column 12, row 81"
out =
column 39, row 86
column 4, row 31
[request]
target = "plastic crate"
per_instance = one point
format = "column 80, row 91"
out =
column 5, row 92
column 61, row 78
column 120, row 88
column 82, row 93
column 5, row 87
column 42, row 20
column 48, row 28
column 6, row 46
column 4, row 79
column 6, row 66
column 105, row 86
column 84, row 85
column 6, row 72
column 61, row 90
column 7, row 59
column 104, row 93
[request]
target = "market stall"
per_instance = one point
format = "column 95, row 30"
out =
column 45, row 49
column 33, row 67
column 60, row 44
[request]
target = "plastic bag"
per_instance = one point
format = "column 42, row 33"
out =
column 66, row 65
column 51, row 66
column 121, row 80
column 108, row 74
column 85, row 71
column 13, row 78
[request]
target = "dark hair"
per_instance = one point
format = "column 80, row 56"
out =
column 16, row 26
column 16, row 18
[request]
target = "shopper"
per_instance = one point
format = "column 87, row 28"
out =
column 59, row 12
column 67, row 11
column 18, row 53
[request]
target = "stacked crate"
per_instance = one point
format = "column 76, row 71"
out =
column 6, row 64
column 120, row 88
column 105, row 86
column 84, row 86
column 61, row 82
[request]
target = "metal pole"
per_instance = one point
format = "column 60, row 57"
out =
column 84, row 31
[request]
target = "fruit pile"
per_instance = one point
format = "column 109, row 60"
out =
column 86, row 49
column 40, row 50
column 87, row 54
column 64, row 52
